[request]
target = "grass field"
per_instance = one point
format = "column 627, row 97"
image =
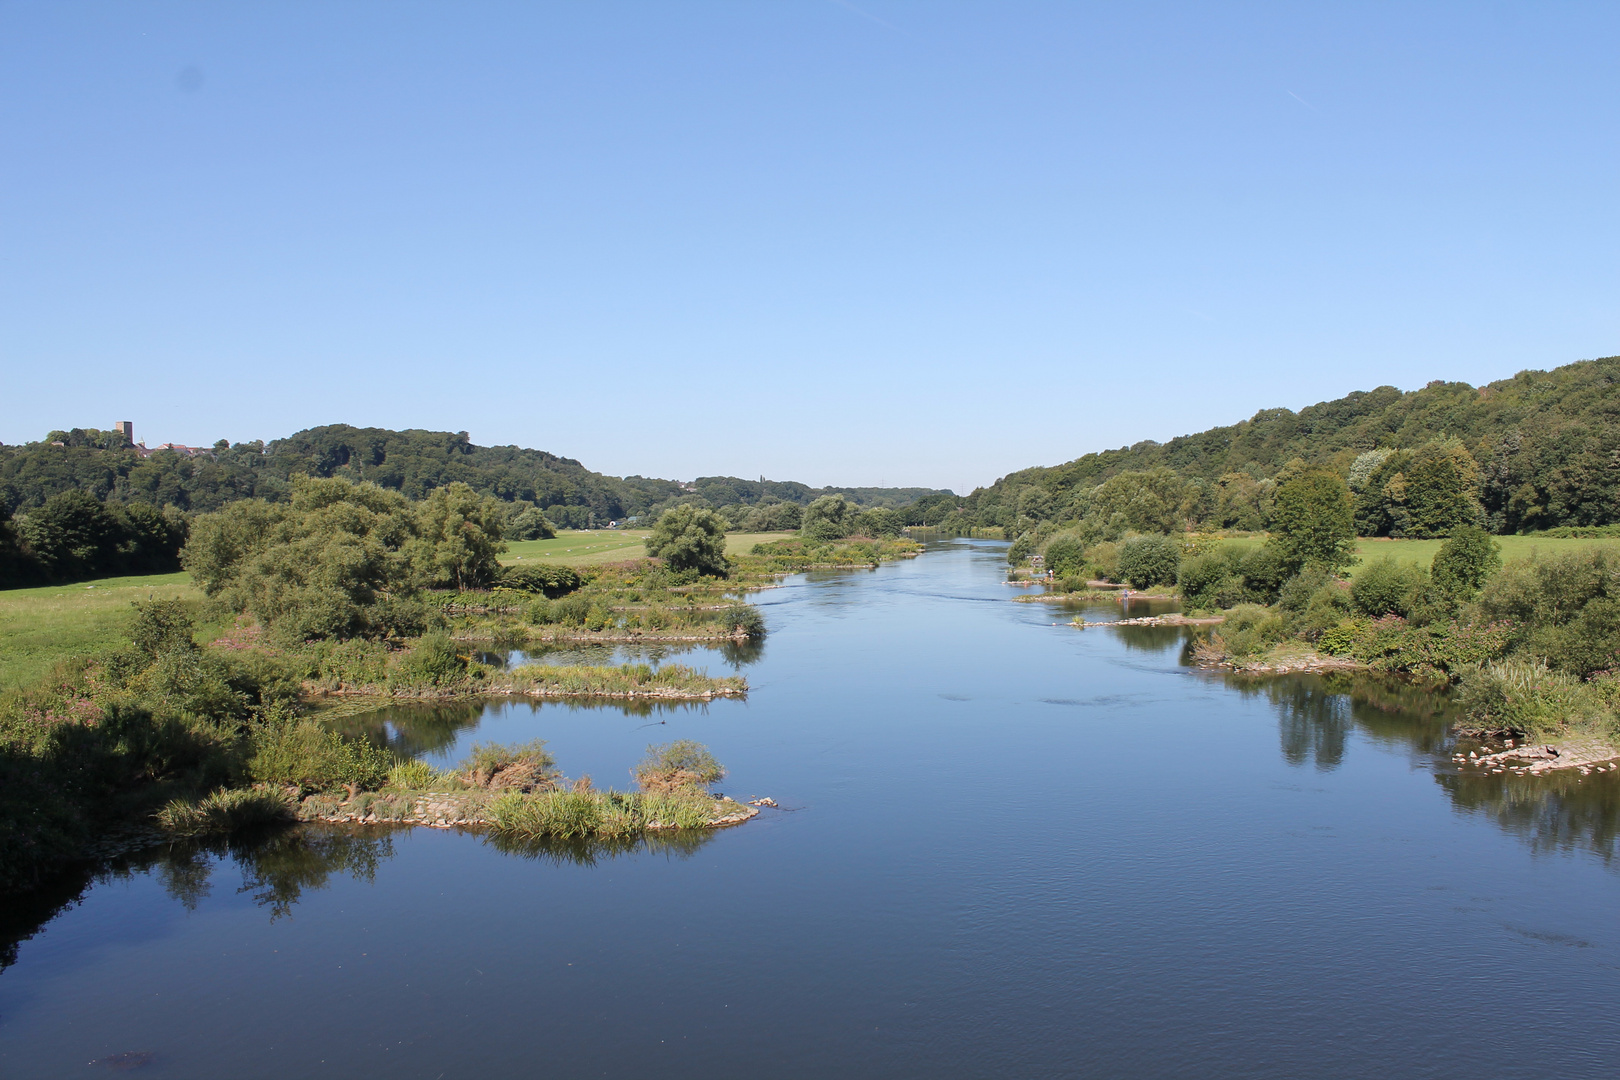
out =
column 1373, row 548
column 40, row 626
column 1422, row 551
column 587, row 547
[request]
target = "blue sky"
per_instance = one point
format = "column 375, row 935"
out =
column 901, row 243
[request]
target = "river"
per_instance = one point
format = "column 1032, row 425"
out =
column 1006, row 848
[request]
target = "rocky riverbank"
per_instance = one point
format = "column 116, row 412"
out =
column 1532, row 759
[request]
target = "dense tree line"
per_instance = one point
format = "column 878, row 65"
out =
column 1537, row 451
column 42, row 536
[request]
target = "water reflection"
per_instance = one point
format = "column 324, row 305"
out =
column 1560, row 812
column 424, row 730
column 680, row 844
column 278, row 867
column 734, row 654
column 1317, row 713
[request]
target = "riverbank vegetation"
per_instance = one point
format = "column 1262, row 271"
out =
column 167, row 732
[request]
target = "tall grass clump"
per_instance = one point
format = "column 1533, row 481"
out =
column 524, row 767
column 1531, row 699
column 225, row 811
column 677, row 766
column 416, row 775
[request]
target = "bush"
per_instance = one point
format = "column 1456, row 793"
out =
column 543, row 578
column 1146, row 561
column 161, row 626
column 1208, row 583
column 531, row 524
column 523, row 767
column 310, row 757
column 1531, row 699
column 828, row 518
column 1249, row 630
column 744, row 619
column 1387, row 587
column 434, row 661
column 1465, row 562
column 1065, row 555
column 1444, row 649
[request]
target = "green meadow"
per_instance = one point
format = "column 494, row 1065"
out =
column 40, row 626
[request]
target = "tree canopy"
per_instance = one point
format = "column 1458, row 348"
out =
column 690, row 539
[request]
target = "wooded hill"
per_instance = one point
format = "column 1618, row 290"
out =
column 414, row 462
column 1536, row 451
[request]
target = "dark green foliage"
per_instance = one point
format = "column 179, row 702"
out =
column 458, row 536
column 434, row 661
column 1209, row 582
column 329, row 563
column 530, row 524
column 1313, row 522
column 533, row 577
column 1444, row 648
column 1566, row 608
column 1387, row 587
column 1146, row 561
column 161, row 626
column 1542, row 443
column 1250, row 629
column 687, row 538
column 744, row 619
column 74, row 536
column 880, row 522
column 1465, row 562
column 828, row 518
column 1065, row 555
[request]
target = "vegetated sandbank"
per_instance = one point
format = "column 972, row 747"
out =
column 511, row 790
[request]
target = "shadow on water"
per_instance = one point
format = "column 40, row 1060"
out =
column 1317, row 713
column 278, row 867
column 1558, row 813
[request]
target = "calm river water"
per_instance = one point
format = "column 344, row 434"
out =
column 1007, row 849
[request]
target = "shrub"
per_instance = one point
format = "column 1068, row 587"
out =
column 1208, row 583
column 1533, row 700
column 1465, row 562
column 828, row 518
column 308, row 756
column 1250, row 629
column 1145, row 561
column 531, row 524
column 676, row 766
column 161, row 626
column 1387, row 587
column 434, row 661
column 745, row 620
column 551, row 581
column 1065, row 555
column 689, row 539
